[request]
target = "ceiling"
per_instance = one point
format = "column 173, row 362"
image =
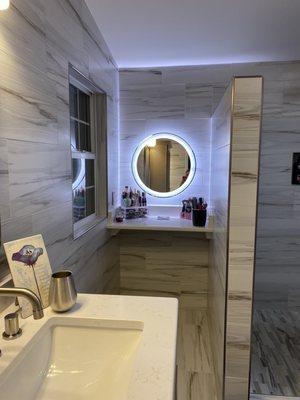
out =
column 148, row 33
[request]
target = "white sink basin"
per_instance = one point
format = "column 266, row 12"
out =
column 75, row 358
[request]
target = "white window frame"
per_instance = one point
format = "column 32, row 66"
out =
column 98, row 129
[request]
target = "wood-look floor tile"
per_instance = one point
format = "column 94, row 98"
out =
column 276, row 353
column 195, row 373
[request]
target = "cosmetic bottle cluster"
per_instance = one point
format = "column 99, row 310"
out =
column 192, row 204
column 133, row 198
column 134, row 205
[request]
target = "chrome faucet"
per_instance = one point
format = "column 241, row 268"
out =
column 37, row 308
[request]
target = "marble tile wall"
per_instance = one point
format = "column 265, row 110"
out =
column 38, row 41
column 156, row 263
column 276, row 274
column 147, row 106
column 220, row 160
column 243, row 188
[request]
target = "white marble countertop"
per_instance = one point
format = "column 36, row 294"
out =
column 154, row 224
column 154, row 373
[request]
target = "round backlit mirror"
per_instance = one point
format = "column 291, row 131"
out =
column 163, row 165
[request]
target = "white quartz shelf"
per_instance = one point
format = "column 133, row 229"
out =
column 153, row 224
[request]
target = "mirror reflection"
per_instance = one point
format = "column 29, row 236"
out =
column 83, row 188
column 163, row 164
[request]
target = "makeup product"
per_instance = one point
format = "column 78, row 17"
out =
column 194, row 201
column 191, row 205
column 144, row 200
column 127, row 201
column 134, row 204
column 199, row 217
column 188, row 209
column 119, row 217
column 182, row 214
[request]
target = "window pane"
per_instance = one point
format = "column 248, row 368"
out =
column 85, row 137
column 83, row 199
column 84, row 107
column 73, row 101
column 78, row 170
column 74, row 135
column 89, row 173
column 78, row 205
column 90, row 201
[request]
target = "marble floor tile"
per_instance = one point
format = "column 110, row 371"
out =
column 266, row 397
column 276, row 353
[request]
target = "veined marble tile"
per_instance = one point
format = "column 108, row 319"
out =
column 220, row 156
column 4, row 181
column 157, row 263
column 90, row 26
column 273, row 98
column 16, row 228
column 57, row 71
column 61, row 231
column 278, row 204
column 131, row 132
column 28, row 103
column 39, row 177
column 291, row 99
column 64, row 29
column 208, row 74
column 218, row 93
column 198, row 102
column 291, row 71
column 242, row 220
column 278, row 225
column 22, row 32
column 195, row 131
column 39, row 40
column 133, row 77
column 100, row 260
column 269, row 70
column 99, row 60
column 155, row 101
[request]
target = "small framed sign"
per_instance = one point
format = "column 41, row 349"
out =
column 30, row 268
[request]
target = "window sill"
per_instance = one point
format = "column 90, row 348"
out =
column 83, row 228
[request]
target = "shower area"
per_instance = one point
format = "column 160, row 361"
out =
column 275, row 353
column 275, row 333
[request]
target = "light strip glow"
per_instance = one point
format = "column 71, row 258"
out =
column 177, row 139
column 4, row 4
column 151, row 142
